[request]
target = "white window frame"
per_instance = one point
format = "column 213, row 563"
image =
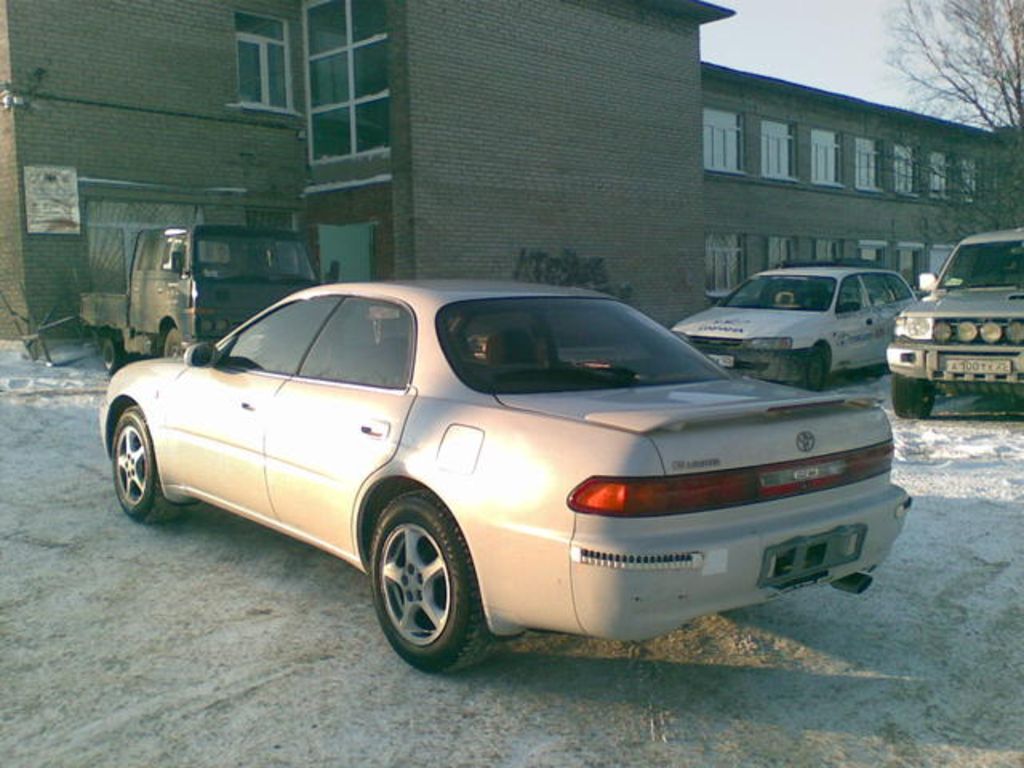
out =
column 968, row 178
column 723, row 261
column 866, row 164
column 827, row 249
column 777, row 144
column 348, row 49
column 938, row 169
column 779, row 250
column 825, row 159
column 723, row 141
column 879, row 247
column 264, row 44
column 903, row 169
column 916, row 253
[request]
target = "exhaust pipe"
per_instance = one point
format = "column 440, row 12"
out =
column 855, row 583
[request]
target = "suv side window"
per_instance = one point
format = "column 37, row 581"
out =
column 277, row 342
column 365, row 342
column 171, row 245
column 849, row 299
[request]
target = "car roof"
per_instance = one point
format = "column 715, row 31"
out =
column 437, row 293
column 1001, row 235
column 825, row 271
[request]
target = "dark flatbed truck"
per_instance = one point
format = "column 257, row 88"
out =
column 188, row 284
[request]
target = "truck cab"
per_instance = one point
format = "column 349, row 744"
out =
column 189, row 284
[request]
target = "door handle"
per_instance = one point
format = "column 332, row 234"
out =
column 375, row 428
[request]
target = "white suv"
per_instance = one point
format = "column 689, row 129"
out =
column 799, row 324
column 967, row 335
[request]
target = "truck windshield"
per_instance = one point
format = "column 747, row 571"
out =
column 563, row 344
column 803, row 293
column 257, row 259
column 986, row 265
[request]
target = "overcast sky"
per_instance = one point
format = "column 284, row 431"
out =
column 836, row 45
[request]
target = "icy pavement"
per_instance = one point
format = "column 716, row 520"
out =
column 215, row 642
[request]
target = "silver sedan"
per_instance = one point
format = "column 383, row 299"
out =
column 502, row 457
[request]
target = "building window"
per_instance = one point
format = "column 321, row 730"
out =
column 872, row 250
column 968, row 179
column 262, row 61
column 909, row 260
column 937, row 174
column 781, row 250
column 866, row 160
column 349, row 97
column 723, row 141
column 824, row 157
column 827, row 249
column 903, row 169
column 776, row 150
column 723, row 263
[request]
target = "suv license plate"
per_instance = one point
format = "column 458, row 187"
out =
column 726, row 361
column 977, row 365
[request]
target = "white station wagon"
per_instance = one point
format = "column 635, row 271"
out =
column 800, row 324
column 502, row 458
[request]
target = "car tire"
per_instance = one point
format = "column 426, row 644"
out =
column 817, row 367
column 424, row 586
column 136, row 477
column 172, row 343
column 912, row 398
column 111, row 353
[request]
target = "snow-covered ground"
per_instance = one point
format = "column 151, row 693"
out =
column 215, row 642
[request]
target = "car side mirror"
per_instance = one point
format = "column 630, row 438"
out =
column 927, row 281
column 201, row 355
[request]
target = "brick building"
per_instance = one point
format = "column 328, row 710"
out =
column 430, row 138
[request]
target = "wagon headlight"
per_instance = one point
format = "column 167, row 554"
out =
column 770, row 342
column 919, row 328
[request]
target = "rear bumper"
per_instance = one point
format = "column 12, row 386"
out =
column 786, row 366
column 633, row 588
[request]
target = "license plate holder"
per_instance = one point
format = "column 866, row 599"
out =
column 726, row 361
column 807, row 559
column 998, row 366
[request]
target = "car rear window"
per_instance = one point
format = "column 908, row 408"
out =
column 530, row 345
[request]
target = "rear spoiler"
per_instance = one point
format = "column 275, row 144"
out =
column 676, row 419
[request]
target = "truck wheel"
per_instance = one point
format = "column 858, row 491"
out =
column 112, row 353
column 172, row 343
column 912, row 398
column 424, row 586
column 818, row 365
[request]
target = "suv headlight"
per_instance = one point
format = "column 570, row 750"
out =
column 772, row 342
column 918, row 328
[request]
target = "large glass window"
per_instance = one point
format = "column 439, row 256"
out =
column 824, row 157
column 903, row 169
column 262, row 61
column 866, row 159
column 349, row 94
column 508, row 346
column 723, row 141
column 723, row 263
column 827, row 249
column 776, row 150
column 781, row 250
column 968, row 178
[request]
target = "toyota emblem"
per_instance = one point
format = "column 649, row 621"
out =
column 805, row 441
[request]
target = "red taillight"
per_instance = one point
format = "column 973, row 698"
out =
column 685, row 494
